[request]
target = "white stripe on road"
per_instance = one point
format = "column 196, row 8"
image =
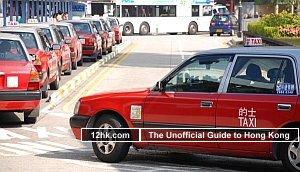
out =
column 42, row 132
column 15, row 152
column 7, row 135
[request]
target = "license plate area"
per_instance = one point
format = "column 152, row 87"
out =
column 219, row 30
column 12, row 81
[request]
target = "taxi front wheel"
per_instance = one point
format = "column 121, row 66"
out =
column 105, row 148
column 290, row 152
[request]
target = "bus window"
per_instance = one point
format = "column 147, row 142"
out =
column 167, row 11
column 195, row 10
column 207, row 10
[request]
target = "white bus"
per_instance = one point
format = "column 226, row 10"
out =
column 166, row 16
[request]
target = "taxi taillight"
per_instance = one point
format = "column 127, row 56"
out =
column 34, row 80
column 37, row 63
column 91, row 40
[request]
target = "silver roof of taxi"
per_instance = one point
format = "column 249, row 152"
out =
column 9, row 36
column 275, row 50
column 20, row 29
column 40, row 25
column 61, row 23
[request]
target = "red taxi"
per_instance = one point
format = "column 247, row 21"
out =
column 252, row 90
column 109, row 29
column 72, row 39
column 55, row 36
column 19, row 80
column 46, row 61
column 114, row 22
column 106, row 39
column 91, row 41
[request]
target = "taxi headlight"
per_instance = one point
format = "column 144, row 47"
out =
column 76, row 108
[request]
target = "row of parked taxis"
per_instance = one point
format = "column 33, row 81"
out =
column 34, row 56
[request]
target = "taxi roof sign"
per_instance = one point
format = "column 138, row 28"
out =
column 253, row 42
column 32, row 21
column 12, row 23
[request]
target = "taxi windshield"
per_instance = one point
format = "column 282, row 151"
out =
column 82, row 28
column 113, row 22
column 220, row 18
column 11, row 50
column 27, row 38
column 65, row 31
column 48, row 34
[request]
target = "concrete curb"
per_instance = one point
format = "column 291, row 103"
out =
column 74, row 83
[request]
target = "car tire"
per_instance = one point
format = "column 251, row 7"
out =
column 69, row 71
column 193, row 28
column 110, row 151
column 80, row 62
column 55, row 84
column 218, row 34
column 287, row 154
column 45, row 93
column 30, row 117
column 128, row 29
column 74, row 64
column 211, row 34
column 144, row 29
column 118, row 41
column 95, row 59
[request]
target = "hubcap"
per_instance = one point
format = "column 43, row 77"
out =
column 144, row 29
column 193, row 28
column 106, row 145
column 294, row 153
column 127, row 29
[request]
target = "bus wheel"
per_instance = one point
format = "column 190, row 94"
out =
column 128, row 29
column 144, row 29
column 193, row 28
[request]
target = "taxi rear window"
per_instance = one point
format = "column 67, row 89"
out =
column 27, row 38
column 65, row 31
column 11, row 50
column 48, row 34
column 220, row 18
column 82, row 28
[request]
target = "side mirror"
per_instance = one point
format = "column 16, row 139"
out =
column 56, row 47
column 32, row 57
column 159, row 86
column 68, row 41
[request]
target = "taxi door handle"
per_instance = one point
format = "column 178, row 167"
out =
column 285, row 107
column 206, row 104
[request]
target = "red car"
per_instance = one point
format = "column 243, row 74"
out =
column 106, row 39
column 73, row 41
column 55, row 36
column 19, row 80
column 90, row 39
column 46, row 61
column 114, row 22
column 253, row 92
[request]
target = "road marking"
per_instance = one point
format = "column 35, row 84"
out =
column 42, row 132
column 16, row 152
column 109, row 70
column 92, row 82
column 7, row 135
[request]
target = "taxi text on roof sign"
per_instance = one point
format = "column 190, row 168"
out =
column 32, row 21
column 251, row 42
column 12, row 23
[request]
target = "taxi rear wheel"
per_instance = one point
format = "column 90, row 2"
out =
column 45, row 92
column 106, row 149
column 290, row 155
column 69, row 71
column 55, row 84
column 80, row 62
column 30, row 117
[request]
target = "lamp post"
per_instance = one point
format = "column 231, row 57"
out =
column 239, row 34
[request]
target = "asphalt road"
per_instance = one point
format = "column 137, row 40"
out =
column 49, row 144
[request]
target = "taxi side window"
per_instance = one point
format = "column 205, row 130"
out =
column 262, row 76
column 45, row 42
column 202, row 74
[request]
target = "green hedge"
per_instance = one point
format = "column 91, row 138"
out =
column 271, row 25
column 260, row 29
